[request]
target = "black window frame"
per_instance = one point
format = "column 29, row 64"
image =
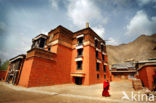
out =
column 104, row 76
column 49, row 49
column 102, row 48
column 96, row 43
column 97, row 54
column 104, row 68
column 79, row 65
column 79, row 52
column 103, row 57
column 97, row 66
column 80, row 41
column 42, row 42
column 98, row 76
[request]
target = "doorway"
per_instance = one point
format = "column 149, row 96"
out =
column 78, row 80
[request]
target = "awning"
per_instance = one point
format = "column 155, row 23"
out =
column 77, row 74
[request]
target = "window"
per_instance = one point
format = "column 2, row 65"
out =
column 79, row 52
column 79, row 65
column 104, row 76
column 104, row 68
column 103, row 57
column 97, row 66
column 49, row 49
column 80, row 41
column 97, row 76
column 96, row 43
column 96, row 54
column 42, row 42
column 101, row 47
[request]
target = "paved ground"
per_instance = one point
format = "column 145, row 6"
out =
column 67, row 93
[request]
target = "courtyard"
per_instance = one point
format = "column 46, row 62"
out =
column 67, row 93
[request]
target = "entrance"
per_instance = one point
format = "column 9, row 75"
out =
column 78, row 80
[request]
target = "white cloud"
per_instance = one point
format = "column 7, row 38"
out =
column 82, row 11
column 145, row 2
column 141, row 24
column 54, row 3
column 99, row 30
column 112, row 41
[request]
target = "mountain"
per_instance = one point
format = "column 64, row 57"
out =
column 144, row 47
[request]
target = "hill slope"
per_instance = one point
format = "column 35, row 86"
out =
column 142, row 48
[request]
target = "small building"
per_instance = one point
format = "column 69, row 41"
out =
column 122, row 71
column 146, row 71
column 62, row 57
column 15, row 68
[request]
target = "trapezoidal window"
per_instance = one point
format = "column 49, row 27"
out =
column 79, row 65
column 49, row 49
column 42, row 42
column 101, row 47
column 104, row 76
column 96, row 43
column 79, row 52
column 104, row 68
column 80, row 41
column 103, row 57
column 97, row 54
column 97, row 66
column 98, row 76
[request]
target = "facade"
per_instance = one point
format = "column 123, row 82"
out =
column 121, row 71
column 146, row 71
column 14, row 69
column 62, row 57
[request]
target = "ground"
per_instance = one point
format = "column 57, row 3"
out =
column 67, row 93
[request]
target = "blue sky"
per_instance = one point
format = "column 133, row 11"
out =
column 117, row 21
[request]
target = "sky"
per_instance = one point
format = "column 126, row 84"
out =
column 116, row 21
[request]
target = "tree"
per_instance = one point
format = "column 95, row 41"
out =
column 5, row 65
column 0, row 62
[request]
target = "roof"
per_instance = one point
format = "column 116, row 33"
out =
column 63, row 28
column 147, row 64
column 123, row 65
column 147, row 61
column 39, row 36
column 21, row 56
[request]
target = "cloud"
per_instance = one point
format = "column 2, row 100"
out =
column 82, row 11
column 145, row 2
column 54, row 3
column 141, row 24
column 99, row 30
column 112, row 41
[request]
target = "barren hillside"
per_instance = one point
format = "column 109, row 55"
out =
column 142, row 48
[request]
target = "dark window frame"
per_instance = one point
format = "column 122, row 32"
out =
column 97, row 54
column 79, row 65
column 98, row 76
column 103, row 57
column 97, row 66
column 79, row 52
column 104, row 76
column 104, row 68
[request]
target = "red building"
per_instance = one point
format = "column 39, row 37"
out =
column 62, row 57
column 147, row 73
column 123, row 71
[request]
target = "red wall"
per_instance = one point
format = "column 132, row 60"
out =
column 2, row 74
column 39, row 71
column 25, row 74
column 146, row 76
